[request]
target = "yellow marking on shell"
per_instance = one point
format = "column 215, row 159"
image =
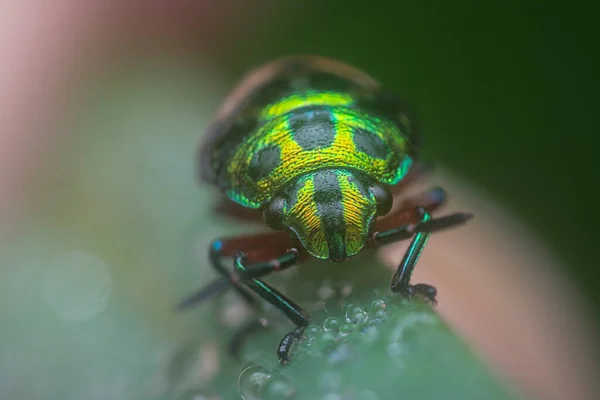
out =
column 358, row 212
column 305, row 215
column 295, row 160
column 304, row 99
column 345, row 147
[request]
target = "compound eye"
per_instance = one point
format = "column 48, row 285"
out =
column 384, row 199
column 273, row 213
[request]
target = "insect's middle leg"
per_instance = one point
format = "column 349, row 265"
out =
column 413, row 219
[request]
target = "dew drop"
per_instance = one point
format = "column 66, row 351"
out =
column 279, row 388
column 331, row 324
column 381, row 315
column 377, row 306
column 325, row 341
column 348, row 308
column 311, row 332
column 370, row 333
column 376, row 321
column 346, row 330
column 253, row 381
column 356, row 315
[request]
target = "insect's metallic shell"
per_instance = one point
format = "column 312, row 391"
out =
column 251, row 148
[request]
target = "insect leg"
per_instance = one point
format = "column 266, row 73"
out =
column 259, row 245
column 402, row 275
column 429, row 200
column 406, row 221
column 252, row 271
column 293, row 311
column 418, row 208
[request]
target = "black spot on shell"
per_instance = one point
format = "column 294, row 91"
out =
column 312, row 129
column 328, row 197
column 264, row 162
column 327, row 187
column 370, row 144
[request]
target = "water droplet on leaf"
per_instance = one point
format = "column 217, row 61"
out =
column 325, row 341
column 279, row 388
column 370, row 333
column 253, row 381
column 331, row 324
column 311, row 332
column 346, row 330
column 376, row 306
column 356, row 315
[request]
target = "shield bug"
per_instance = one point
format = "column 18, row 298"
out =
column 318, row 148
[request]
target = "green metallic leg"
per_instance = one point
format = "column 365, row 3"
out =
column 429, row 225
column 293, row 311
column 245, row 276
column 401, row 278
column 420, row 230
column 248, row 275
column 218, row 286
column 261, row 269
column 257, row 270
column 265, row 243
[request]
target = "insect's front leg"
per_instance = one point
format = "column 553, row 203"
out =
column 250, row 274
column 262, row 246
column 413, row 219
column 262, row 255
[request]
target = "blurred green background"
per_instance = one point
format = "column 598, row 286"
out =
column 506, row 92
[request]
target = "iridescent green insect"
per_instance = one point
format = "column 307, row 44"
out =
column 319, row 147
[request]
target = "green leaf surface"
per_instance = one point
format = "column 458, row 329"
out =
column 362, row 344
